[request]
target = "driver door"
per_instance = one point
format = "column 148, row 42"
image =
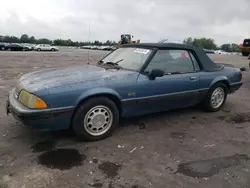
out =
column 177, row 88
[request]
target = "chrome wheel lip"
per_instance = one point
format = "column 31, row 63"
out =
column 98, row 120
column 217, row 97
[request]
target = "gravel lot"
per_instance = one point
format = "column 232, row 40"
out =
column 158, row 150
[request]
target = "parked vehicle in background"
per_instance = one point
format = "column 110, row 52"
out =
column 45, row 47
column 209, row 51
column 3, row 45
column 134, row 80
column 94, row 47
column 109, row 48
column 15, row 47
column 29, row 46
column 113, row 48
column 221, row 52
column 245, row 47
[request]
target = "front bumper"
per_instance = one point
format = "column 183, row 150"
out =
column 43, row 119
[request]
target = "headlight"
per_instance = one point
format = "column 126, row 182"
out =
column 30, row 100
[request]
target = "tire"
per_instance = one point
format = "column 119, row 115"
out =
column 208, row 106
column 9, row 49
column 38, row 49
column 245, row 53
column 52, row 49
column 105, row 109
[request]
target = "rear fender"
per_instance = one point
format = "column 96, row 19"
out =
column 219, row 79
column 96, row 91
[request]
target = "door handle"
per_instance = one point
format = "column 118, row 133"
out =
column 193, row 78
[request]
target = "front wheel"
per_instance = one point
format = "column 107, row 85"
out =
column 216, row 97
column 95, row 119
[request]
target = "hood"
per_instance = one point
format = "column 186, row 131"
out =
column 55, row 77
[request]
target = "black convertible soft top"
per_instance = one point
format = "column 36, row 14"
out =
column 206, row 63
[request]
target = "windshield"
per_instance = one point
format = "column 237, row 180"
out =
column 128, row 58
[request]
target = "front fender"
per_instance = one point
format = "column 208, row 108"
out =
column 218, row 79
column 96, row 91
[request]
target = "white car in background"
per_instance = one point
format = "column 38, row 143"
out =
column 45, row 47
column 221, row 52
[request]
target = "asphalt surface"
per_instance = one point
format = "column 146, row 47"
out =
column 184, row 148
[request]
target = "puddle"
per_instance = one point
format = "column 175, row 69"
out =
column 208, row 168
column 96, row 185
column 240, row 118
column 43, row 146
column 62, row 159
column 141, row 126
column 109, row 169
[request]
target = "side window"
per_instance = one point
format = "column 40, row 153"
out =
column 246, row 42
column 159, row 61
column 195, row 62
column 171, row 61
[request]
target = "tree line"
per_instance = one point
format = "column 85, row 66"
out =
column 58, row 42
column 207, row 43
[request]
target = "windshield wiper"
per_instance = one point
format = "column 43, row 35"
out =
column 115, row 63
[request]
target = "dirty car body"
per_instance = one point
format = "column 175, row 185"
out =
column 135, row 79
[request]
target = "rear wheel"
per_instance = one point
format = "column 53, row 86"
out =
column 216, row 97
column 95, row 119
column 245, row 53
column 38, row 49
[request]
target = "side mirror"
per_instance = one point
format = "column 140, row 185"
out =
column 156, row 73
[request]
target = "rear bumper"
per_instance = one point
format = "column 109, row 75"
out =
column 46, row 119
column 235, row 86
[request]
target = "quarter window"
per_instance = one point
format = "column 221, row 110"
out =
column 195, row 62
column 171, row 61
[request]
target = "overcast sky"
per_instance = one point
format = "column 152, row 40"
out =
column 226, row 21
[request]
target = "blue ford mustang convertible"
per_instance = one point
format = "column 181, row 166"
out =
column 133, row 80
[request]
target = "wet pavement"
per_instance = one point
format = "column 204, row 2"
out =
column 43, row 146
column 62, row 159
column 210, row 167
column 109, row 169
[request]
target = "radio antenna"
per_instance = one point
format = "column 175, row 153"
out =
column 89, row 42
